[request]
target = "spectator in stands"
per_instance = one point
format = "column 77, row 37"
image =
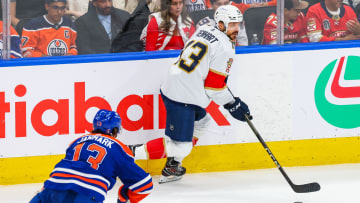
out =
column 197, row 9
column 209, row 19
column 77, row 8
column 98, row 27
column 127, row 5
column 128, row 40
column 197, row 5
column 168, row 29
column 354, row 4
column 241, row 39
column 295, row 24
column 243, row 5
column 330, row 20
column 15, row 51
column 22, row 11
column 131, row 5
column 154, row 5
column 51, row 34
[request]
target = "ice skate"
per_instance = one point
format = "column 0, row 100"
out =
column 173, row 171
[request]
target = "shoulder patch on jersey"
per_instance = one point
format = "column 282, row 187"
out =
column 229, row 63
column 273, row 33
column 311, row 24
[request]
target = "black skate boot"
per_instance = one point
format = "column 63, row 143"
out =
column 172, row 171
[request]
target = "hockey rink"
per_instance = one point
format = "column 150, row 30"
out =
column 339, row 184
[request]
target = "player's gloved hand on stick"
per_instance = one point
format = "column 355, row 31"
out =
column 238, row 109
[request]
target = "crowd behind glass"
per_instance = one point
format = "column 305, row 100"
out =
column 42, row 28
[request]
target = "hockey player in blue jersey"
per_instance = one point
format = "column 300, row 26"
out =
column 91, row 165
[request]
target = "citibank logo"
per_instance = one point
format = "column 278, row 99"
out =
column 337, row 92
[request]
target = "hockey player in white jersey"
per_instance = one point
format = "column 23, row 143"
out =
column 198, row 76
column 241, row 39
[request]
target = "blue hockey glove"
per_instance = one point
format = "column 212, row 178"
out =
column 238, row 109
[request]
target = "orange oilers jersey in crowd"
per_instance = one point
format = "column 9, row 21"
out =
column 40, row 37
column 294, row 32
column 15, row 51
column 323, row 26
column 200, row 73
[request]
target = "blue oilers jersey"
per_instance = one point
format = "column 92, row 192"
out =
column 91, row 165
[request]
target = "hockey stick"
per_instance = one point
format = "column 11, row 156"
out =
column 309, row 187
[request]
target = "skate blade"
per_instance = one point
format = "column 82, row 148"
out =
column 164, row 179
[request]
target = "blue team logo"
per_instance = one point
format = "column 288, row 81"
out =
column 57, row 47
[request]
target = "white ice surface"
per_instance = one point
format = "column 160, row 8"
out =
column 339, row 184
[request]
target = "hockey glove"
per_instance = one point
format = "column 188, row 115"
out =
column 238, row 109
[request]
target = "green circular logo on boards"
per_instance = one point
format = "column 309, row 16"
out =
column 337, row 92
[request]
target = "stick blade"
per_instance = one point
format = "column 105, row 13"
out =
column 310, row 187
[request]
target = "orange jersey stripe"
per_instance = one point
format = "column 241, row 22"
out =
column 99, row 183
column 120, row 197
column 144, row 187
column 134, row 197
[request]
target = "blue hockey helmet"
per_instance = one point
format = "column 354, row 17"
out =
column 105, row 121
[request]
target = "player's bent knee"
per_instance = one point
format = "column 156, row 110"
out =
column 201, row 126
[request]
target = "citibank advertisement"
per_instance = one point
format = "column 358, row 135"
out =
column 291, row 95
column 44, row 108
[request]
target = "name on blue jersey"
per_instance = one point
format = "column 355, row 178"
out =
column 207, row 35
column 102, row 140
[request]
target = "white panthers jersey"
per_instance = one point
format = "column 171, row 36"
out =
column 200, row 73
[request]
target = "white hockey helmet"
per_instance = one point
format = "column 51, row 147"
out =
column 227, row 14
